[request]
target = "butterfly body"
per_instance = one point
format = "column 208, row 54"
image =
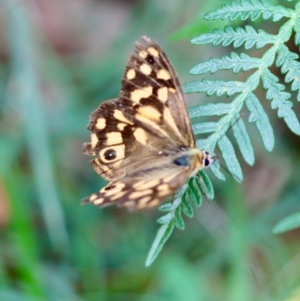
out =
column 143, row 141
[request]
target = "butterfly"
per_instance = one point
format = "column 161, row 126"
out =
column 143, row 141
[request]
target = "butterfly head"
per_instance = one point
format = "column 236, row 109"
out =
column 207, row 159
column 195, row 158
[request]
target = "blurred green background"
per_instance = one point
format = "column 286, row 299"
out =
column 59, row 60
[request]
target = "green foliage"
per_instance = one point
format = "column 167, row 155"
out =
column 276, row 54
column 52, row 248
column 289, row 223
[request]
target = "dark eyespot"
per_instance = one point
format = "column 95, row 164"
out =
column 110, row 154
column 150, row 59
column 110, row 187
column 206, row 162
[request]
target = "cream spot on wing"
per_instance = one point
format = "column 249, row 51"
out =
column 117, row 196
column 153, row 124
column 164, row 193
column 146, row 69
column 163, row 187
column 143, row 201
column 128, row 203
column 138, row 184
column 163, row 74
column 172, row 90
column 162, row 94
column 121, row 126
column 153, row 203
column 93, row 197
column 116, row 188
column 99, row 201
column 153, row 51
column 112, row 154
column 120, row 116
column 138, row 94
column 140, row 135
column 101, row 123
column 143, row 54
column 138, row 194
column 149, row 113
column 169, row 119
column 147, row 184
column 94, row 140
column 130, row 74
column 113, row 138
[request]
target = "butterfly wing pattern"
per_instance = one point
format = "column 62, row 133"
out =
column 143, row 140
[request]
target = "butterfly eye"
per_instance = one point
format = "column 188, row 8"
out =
column 150, row 59
column 206, row 162
column 207, row 159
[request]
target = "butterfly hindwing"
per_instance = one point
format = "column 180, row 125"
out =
column 138, row 193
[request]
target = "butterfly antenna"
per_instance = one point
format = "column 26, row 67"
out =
column 231, row 174
column 232, row 125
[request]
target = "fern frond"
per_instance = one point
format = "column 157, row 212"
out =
column 235, row 62
column 229, row 156
column 237, row 37
column 211, row 87
column 210, row 109
column 249, row 9
column 287, row 60
column 244, row 96
column 297, row 30
column 243, row 140
column 279, row 101
column 182, row 204
column 288, row 223
column 259, row 116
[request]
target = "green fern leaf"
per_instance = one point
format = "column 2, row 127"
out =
column 243, row 140
column 259, row 116
column 235, row 62
column 191, row 193
column 205, row 127
column 162, row 236
column 238, row 36
column 249, row 9
column 204, row 183
column 210, row 109
column 215, row 168
column 279, row 101
column 165, row 219
column 179, row 222
column 230, row 158
column 187, row 208
column 287, row 60
column 289, row 223
column 194, row 195
column 297, row 30
column 166, row 206
column 210, row 87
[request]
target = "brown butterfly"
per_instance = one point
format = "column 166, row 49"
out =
column 143, row 140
